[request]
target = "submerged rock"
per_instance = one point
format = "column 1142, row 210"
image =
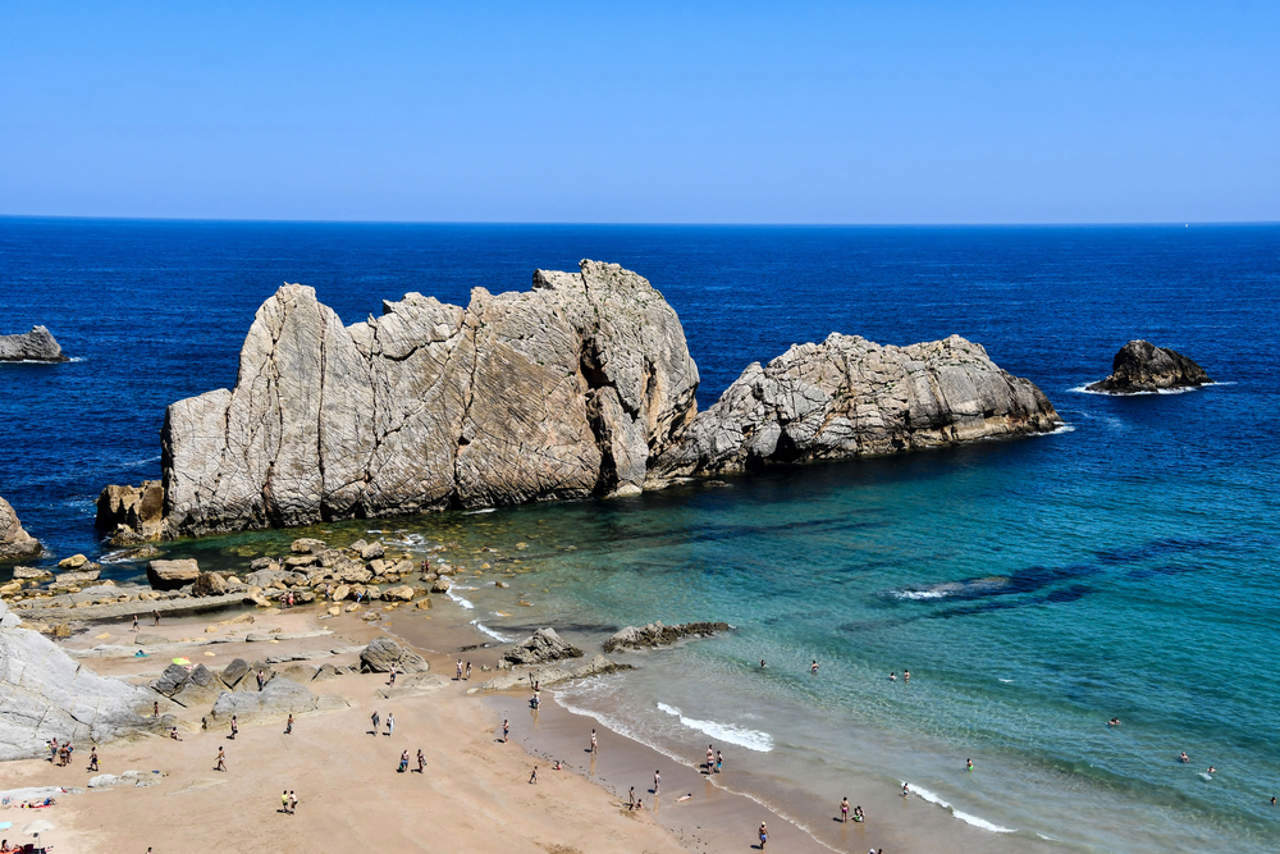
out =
column 15, row 542
column 849, row 397
column 1142, row 367
column 656, row 634
column 38, row 345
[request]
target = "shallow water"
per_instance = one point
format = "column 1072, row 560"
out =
column 1034, row 589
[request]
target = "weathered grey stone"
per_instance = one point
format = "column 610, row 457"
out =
column 80, row 576
column 1141, row 367
column 307, row 546
column 131, row 514
column 38, row 345
column 172, row 574
column 656, row 634
column 234, row 672
column 543, row 646
column 32, row 573
column 383, row 653
column 848, row 397
column 44, row 693
column 125, row 778
column 279, row 696
column 15, row 542
column 549, row 674
column 209, row 584
column 371, row 551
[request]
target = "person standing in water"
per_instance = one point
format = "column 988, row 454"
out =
column 844, row 808
column 711, row 758
column 813, row 666
column 595, row 745
column 657, row 781
column 719, row 761
column 968, row 765
column 906, row 676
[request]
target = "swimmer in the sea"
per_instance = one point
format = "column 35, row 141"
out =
column 1113, row 722
column 813, row 666
column 1183, row 757
column 893, row 676
column 906, row 790
column 968, row 765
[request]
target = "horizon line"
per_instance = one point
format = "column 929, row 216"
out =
column 651, row 223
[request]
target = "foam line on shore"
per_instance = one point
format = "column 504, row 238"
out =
column 496, row 635
column 460, row 600
column 968, row 818
column 751, row 739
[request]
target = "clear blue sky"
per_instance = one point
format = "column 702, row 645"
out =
column 865, row 112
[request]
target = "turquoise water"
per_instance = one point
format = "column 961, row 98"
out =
column 1125, row 567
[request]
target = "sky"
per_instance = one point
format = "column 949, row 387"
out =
column 775, row 112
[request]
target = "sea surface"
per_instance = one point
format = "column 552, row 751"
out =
column 1124, row 567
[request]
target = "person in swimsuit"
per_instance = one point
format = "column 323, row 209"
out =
column 595, row 745
column 906, row 676
column 422, row 761
column 293, row 802
column 968, row 765
column 844, row 808
column 657, row 781
column 763, row 833
column 533, row 775
column 288, row 725
column 1183, row 757
column 711, row 759
column 893, row 676
column 906, row 790
column 93, row 758
column 631, row 798
column 404, row 761
column 857, row 813
column 506, row 731
column 813, row 666
column 719, row 761
column 1113, row 722
column 222, row 763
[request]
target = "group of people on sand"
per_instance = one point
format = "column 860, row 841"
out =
column 844, row 811
column 60, row 754
column 288, row 802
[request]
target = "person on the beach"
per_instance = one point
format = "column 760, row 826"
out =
column 259, row 676
column 534, row 702
column 763, row 833
column 135, row 622
column 595, row 745
column 906, row 790
column 155, row 708
column 204, row 723
column 506, row 731
column 155, row 617
column 375, row 718
column 844, row 808
column 288, row 725
column 468, row 676
column 222, row 763
column 557, row 766
column 235, row 727
column 173, row 733
column 631, row 798
column 906, row 676
column 422, row 761
column 533, row 775
column 293, row 802
column 639, row 803
column 284, row 801
column 893, row 676
column 813, row 666
column 657, row 781
column 93, row 758
column 857, row 813
column 404, row 761
column 968, row 765
column 458, row 674
column 1183, row 757
column 392, row 679
column 711, row 758
column 719, row 761
column 391, row 723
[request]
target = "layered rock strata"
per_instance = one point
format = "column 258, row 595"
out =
column 15, row 542
column 1141, row 367
column 38, row 345
column 849, row 397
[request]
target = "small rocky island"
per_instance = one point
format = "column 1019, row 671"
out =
column 582, row 386
column 1141, row 367
column 38, row 345
column 15, row 542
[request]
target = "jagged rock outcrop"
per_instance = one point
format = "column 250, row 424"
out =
column 38, row 345
column 45, row 694
column 563, row 391
column 542, row 647
column 848, row 397
column 657, row 634
column 1141, row 367
column 15, row 543
column 131, row 514
column 383, row 654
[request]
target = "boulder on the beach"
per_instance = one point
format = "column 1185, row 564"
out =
column 32, row 573
column 234, row 672
column 849, row 397
column 403, row 593
column 45, row 693
column 15, row 542
column 172, row 574
column 38, row 345
column 279, row 696
column 125, row 778
column 656, row 634
column 543, row 646
column 1142, row 367
column 549, row 674
column 78, row 576
column 131, row 514
column 383, row 653
column 372, row 551
column 209, row 584
column 187, row 687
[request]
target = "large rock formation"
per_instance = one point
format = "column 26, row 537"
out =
column 1142, row 367
column 656, row 634
column 848, row 397
column 38, row 345
column 563, row 391
column 581, row 386
column 15, row 543
column 45, row 694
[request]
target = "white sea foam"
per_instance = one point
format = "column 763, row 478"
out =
column 1005, row 681
column 478, row 512
column 922, row 594
column 496, row 635
column 408, row 539
column 461, row 600
column 1084, row 389
column 752, row 739
column 968, row 818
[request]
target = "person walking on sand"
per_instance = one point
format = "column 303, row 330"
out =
column 288, row 725
column 533, row 775
column 135, row 622
column 404, row 761
column 422, row 761
column 293, row 802
column 374, row 717
column 844, row 808
column 155, row 708
column 631, row 798
column 93, row 758
column 468, row 676
column 155, row 617
column 763, row 833
column 235, row 727
column 284, row 801
column 392, row 680
column 506, row 731
column 458, row 675
column 391, row 723
column 719, row 761
column 222, row 761
column 657, row 781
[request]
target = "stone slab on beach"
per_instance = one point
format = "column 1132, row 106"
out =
column 172, row 574
column 1140, row 367
column 38, row 345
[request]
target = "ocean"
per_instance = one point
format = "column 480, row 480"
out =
column 1123, row 567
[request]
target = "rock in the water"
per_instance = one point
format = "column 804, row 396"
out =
column 307, row 546
column 172, row 574
column 656, row 634
column 38, row 345
column 563, row 391
column 371, row 551
column 44, row 694
column 543, row 646
column 76, row 561
column 383, row 653
column 15, row 543
column 32, row 573
column 551, row 673
column 131, row 514
column 1142, row 367
column 848, row 397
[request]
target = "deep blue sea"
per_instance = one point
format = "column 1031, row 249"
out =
column 1127, row 567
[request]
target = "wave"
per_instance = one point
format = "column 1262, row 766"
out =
column 461, row 600
column 1084, row 389
column 968, row 818
column 752, row 739
column 478, row 512
column 408, row 540
column 970, row 588
column 496, row 635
